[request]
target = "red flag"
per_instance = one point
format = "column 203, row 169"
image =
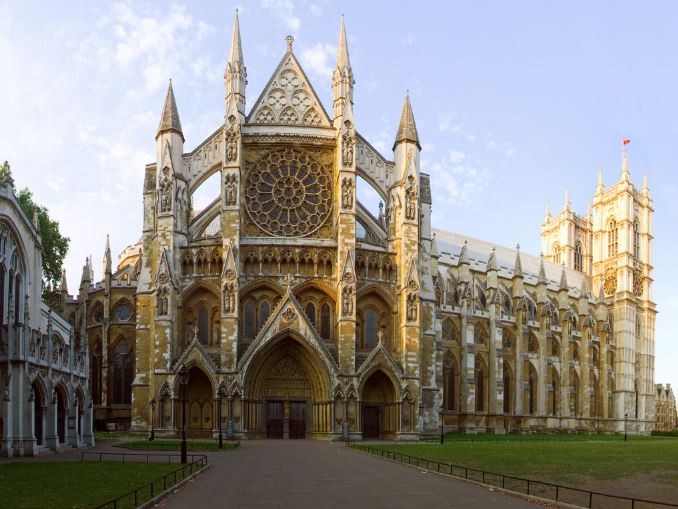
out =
column 626, row 142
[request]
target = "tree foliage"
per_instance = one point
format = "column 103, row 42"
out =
column 54, row 244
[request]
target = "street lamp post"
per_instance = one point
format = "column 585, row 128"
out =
column 221, row 437
column 151, row 437
column 183, row 382
column 626, row 417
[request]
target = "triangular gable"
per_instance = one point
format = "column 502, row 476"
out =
column 380, row 356
column 348, row 272
column 164, row 269
column 230, row 269
column 196, row 353
column 288, row 315
column 412, row 280
column 289, row 98
column 167, row 158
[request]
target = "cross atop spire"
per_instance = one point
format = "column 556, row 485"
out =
column 407, row 129
column 169, row 120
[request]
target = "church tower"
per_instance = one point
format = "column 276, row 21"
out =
column 622, row 265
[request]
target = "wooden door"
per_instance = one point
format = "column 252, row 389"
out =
column 297, row 419
column 274, row 419
column 371, row 422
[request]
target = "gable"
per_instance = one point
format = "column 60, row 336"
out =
column 289, row 99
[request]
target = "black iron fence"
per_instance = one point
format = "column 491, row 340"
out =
column 550, row 491
column 147, row 491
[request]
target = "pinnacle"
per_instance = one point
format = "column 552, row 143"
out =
column 407, row 129
column 342, row 52
column 169, row 121
column 235, row 55
column 518, row 265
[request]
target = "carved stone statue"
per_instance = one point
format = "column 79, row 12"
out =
column 232, row 138
column 347, row 145
column 166, row 191
column 411, row 307
column 411, row 199
column 229, row 298
column 230, row 190
column 347, row 301
column 347, row 193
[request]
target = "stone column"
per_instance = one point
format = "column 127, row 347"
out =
column 467, row 375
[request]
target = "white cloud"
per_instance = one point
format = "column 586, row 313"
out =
column 459, row 181
column 456, row 156
column 408, row 40
column 445, row 123
column 283, row 9
column 315, row 10
column 318, row 60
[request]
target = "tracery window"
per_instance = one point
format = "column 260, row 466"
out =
column 507, row 390
column 264, row 312
column 288, row 193
column 480, row 390
column 123, row 373
column 203, row 325
column 310, row 313
column 250, row 320
column 636, row 239
column 123, row 311
column 370, row 328
column 450, row 388
column 578, row 258
column 17, row 298
column 612, row 238
column 449, row 334
column 556, row 252
column 325, row 326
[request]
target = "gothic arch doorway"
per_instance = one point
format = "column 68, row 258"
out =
column 199, row 399
column 287, row 391
column 380, row 410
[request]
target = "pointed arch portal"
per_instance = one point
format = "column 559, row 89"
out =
column 287, row 391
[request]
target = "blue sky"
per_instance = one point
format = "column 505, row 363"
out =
column 513, row 101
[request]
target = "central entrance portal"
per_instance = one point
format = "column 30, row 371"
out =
column 274, row 419
column 297, row 419
column 285, row 419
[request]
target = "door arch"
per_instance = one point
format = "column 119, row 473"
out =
column 380, row 408
column 199, row 402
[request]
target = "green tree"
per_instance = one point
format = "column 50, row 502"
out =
column 54, row 244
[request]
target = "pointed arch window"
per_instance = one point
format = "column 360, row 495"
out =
column 310, row 313
column 579, row 258
column 507, row 391
column 203, row 324
column 123, row 372
column 17, row 299
column 450, row 388
column 612, row 238
column 370, row 328
column 556, row 253
column 264, row 312
column 325, row 326
column 449, row 333
column 531, row 394
column 250, row 320
column 636, row 239
column 480, row 390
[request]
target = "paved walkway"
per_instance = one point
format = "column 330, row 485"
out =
column 306, row 473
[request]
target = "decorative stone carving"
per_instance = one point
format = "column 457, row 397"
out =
column 166, row 191
column 347, row 301
column 289, row 314
column 411, row 199
column 347, row 193
column 347, row 145
column 229, row 298
column 412, row 305
column 232, row 140
column 162, row 301
column 610, row 285
column 231, row 190
column 637, row 282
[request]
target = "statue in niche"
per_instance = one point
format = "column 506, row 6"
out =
column 347, row 301
column 166, row 191
column 411, row 199
column 230, row 189
column 232, row 138
column 229, row 297
column 347, row 193
column 347, row 145
column 411, row 307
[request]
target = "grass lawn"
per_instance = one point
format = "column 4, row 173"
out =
column 175, row 445
column 73, row 484
column 646, row 467
column 113, row 436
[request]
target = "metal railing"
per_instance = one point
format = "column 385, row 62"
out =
column 159, row 445
column 148, row 491
column 546, row 490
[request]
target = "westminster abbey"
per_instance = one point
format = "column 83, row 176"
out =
column 296, row 313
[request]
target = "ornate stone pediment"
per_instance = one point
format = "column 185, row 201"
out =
column 289, row 99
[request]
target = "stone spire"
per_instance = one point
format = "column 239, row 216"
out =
column 563, row 280
column 517, row 265
column 86, row 276
column 64, row 283
column 547, row 214
column 463, row 255
column 169, row 121
column 625, row 166
column 342, row 78
column 567, row 206
column 600, row 187
column 492, row 261
column 541, row 277
column 646, row 187
column 407, row 130
column 235, row 77
column 107, row 256
column 584, row 290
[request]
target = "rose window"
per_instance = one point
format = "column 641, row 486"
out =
column 288, row 193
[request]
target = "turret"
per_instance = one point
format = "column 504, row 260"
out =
column 107, row 256
column 563, row 291
column 342, row 78
column 542, row 282
column 517, row 274
column 235, row 76
column 492, row 271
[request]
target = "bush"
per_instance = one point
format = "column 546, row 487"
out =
column 657, row 433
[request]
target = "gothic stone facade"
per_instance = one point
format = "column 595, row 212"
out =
column 299, row 313
column 43, row 373
column 666, row 417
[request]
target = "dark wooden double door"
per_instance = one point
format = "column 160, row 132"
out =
column 371, row 422
column 275, row 419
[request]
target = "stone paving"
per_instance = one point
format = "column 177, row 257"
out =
column 305, row 473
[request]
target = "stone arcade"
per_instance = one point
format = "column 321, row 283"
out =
column 298, row 313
